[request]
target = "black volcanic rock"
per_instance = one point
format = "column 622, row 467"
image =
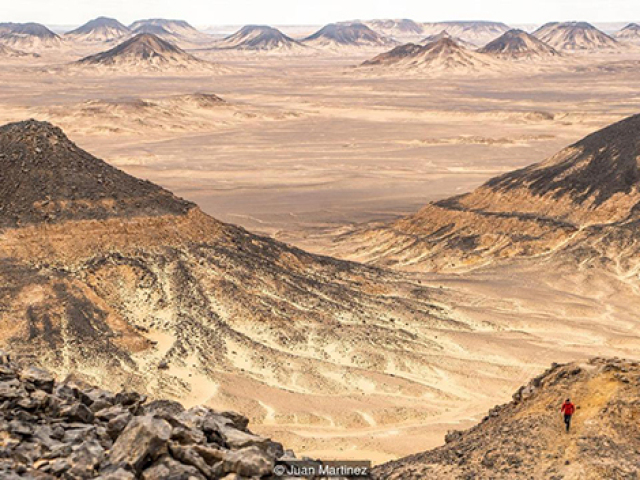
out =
column 144, row 51
column 259, row 37
column 445, row 34
column 28, row 36
column 347, row 35
column 597, row 167
column 575, row 36
column 516, row 44
column 44, row 177
column 630, row 33
column 168, row 29
column 27, row 29
column 118, row 436
column 476, row 32
column 101, row 28
column 580, row 206
column 443, row 55
column 403, row 26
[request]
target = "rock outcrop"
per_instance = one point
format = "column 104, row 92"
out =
column 526, row 438
column 68, row 429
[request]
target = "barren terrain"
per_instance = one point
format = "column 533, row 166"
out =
column 304, row 148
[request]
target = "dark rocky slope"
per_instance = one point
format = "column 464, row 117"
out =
column 581, row 205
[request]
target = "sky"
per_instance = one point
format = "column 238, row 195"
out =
column 307, row 12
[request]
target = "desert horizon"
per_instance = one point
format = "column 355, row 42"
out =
column 359, row 235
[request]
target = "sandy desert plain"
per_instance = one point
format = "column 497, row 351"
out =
column 307, row 148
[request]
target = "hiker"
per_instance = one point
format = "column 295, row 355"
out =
column 568, row 409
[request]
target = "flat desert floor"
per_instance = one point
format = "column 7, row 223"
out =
column 306, row 147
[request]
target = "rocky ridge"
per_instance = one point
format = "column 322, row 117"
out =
column 580, row 205
column 68, row 429
column 526, row 439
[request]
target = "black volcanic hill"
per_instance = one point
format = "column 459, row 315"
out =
column 168, row 29
column 157, row 30
column 581, row 206
column 144, row 51
column 525, row 439
column 575, row 36
column 476, row 32
column 630, row 32
column 347, row 35
column 444, row 55
column 27, row 29
column 259, row 37
column 403, row 26
column 444, row 34
column 516, row 44
column 28, row 36
column 101, row 28
column 596, row 168
column 46, row 177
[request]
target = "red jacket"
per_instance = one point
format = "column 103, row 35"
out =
column 568, row 408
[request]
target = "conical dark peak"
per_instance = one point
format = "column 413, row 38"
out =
column 45, row 177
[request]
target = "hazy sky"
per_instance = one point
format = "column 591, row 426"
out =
column 221, row 12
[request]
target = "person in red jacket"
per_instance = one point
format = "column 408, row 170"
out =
column 568, row 409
